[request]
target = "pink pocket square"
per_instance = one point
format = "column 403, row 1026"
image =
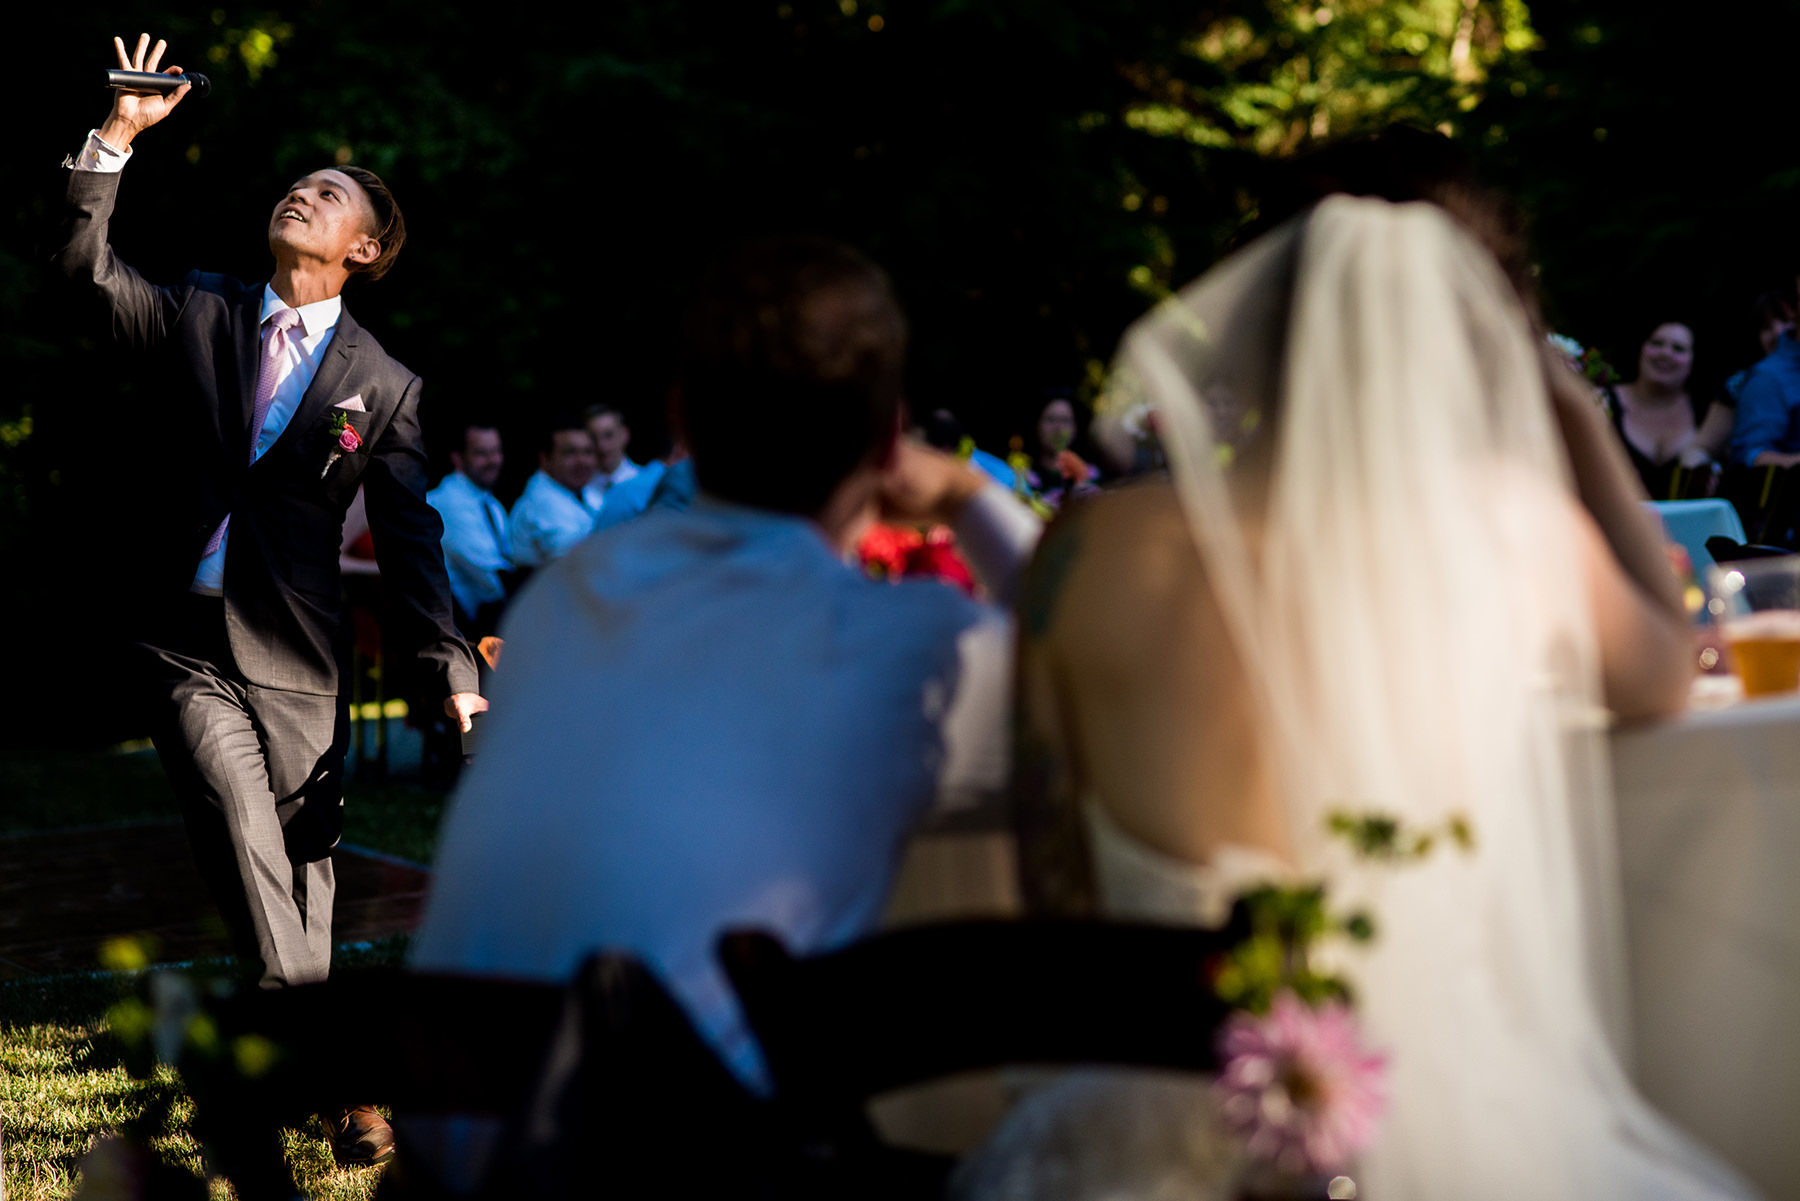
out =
column 354, row 404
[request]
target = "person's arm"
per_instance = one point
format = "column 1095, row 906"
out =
column 1640, row 617
column 1714, row 434
column 408, row 535
column 141, row 313
column 994, row 530
column 522, row 533
column 1761, row 421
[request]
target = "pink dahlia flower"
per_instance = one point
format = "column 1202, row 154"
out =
column 1297, row 1086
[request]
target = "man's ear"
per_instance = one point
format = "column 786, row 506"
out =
column 364, row 252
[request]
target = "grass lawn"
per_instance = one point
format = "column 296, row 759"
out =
column 62, row 1079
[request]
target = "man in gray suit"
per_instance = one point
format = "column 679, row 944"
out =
column 278, row 407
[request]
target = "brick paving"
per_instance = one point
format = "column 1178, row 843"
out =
column 64, row 894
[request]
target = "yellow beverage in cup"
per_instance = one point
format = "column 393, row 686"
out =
column 1765, row 650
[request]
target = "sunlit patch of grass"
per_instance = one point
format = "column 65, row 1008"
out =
column 63, row 1085
column 62, row 1082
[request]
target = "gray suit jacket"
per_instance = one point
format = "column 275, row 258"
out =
column 282, row 598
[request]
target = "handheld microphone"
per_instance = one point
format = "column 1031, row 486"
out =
column 157, row 82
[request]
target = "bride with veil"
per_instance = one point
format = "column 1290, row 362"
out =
column 1397, row 568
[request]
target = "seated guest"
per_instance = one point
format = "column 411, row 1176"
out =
column 1767, row 433
column 477, row 547
column 945, row 432
column 611, row 437
column 1772, row 317
column 1658, row 416
column 1056, row 473
column 551, row 516
column 707, row 719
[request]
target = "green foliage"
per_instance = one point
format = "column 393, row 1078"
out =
column 1383, row 837
column 1285, row 923
column 1277, row 954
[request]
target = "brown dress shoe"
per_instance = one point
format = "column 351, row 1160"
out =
column 359, row 1136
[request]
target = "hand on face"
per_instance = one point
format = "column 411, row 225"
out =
column 134, row 112
column 926, row 486
column 324, row 217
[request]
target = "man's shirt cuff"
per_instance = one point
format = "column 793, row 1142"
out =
column 97, row 154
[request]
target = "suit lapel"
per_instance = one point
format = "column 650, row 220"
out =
column 249, row 358
column 328, row 387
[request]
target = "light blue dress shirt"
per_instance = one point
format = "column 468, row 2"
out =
column 707, row 720
column 547, row 522
column 1769, row 404
column 477, row 547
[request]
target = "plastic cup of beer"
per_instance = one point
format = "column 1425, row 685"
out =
column 1756, row 603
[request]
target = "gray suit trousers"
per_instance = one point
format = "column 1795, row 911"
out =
column 259, row 774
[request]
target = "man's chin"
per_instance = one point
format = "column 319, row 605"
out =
column 283, row 233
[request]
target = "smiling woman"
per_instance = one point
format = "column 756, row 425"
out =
column 1659, row 417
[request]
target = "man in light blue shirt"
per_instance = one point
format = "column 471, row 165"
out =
column 477, row 547
column 552, row 515
column 709, row 718
column 1767, row 430
column 611, row 467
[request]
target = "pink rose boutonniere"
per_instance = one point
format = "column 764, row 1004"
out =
column 346, row 440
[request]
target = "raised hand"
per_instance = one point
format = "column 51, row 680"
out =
column 134, row 112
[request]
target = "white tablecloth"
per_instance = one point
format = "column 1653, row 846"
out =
column 1709, row 827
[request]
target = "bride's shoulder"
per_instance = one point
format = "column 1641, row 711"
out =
column 1137, row 520
column 1111, row 561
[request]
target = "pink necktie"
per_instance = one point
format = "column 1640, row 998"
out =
column 268, row 371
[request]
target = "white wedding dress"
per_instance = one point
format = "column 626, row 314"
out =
column 1361, row 387
column 1097, row 1133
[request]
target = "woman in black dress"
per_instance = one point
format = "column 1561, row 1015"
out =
column 1661, row 421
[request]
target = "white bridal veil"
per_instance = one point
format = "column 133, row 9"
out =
column 1356, row 421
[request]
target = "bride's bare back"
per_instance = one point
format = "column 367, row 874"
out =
column 1132, row 693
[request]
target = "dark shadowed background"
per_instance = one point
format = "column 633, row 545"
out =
column 1032, row 172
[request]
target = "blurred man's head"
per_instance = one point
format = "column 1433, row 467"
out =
column 792, row 356
column 611, row 436
column 1773, row 317
column 479, row 458
column 567, row 454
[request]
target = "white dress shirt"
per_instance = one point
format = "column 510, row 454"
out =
column 477, row 547
column 318, row 321
column 98, row 154
column 547, row 521
column 708, row 720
